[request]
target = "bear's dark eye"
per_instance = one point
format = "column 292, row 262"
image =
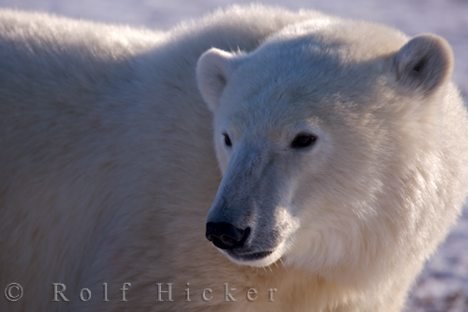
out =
column 303, row 140
column 227, row 140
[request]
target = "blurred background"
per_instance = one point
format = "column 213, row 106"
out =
column 443, row 286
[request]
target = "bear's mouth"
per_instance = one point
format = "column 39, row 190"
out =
column 249, row 256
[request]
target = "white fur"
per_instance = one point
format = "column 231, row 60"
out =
column 108, row 167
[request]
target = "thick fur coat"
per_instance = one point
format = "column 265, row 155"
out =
column 109, row 167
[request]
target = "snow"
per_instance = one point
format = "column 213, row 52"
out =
column 443, row 285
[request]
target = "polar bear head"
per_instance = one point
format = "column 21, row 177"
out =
column 315, row 132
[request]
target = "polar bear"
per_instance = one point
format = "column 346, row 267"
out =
column 338, row 163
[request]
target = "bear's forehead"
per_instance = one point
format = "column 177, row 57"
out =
column 327, row 59
column 278, row 106
column 311, row 81
column 317, row 73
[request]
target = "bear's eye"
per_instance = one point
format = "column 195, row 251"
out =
column 227, row 140
column 303, row 140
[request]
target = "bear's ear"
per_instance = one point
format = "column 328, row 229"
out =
column 213, row 70
column 424, row 63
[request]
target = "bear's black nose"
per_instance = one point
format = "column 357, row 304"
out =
column 225, row 235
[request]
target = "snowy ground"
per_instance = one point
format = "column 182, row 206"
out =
column 443, row 286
